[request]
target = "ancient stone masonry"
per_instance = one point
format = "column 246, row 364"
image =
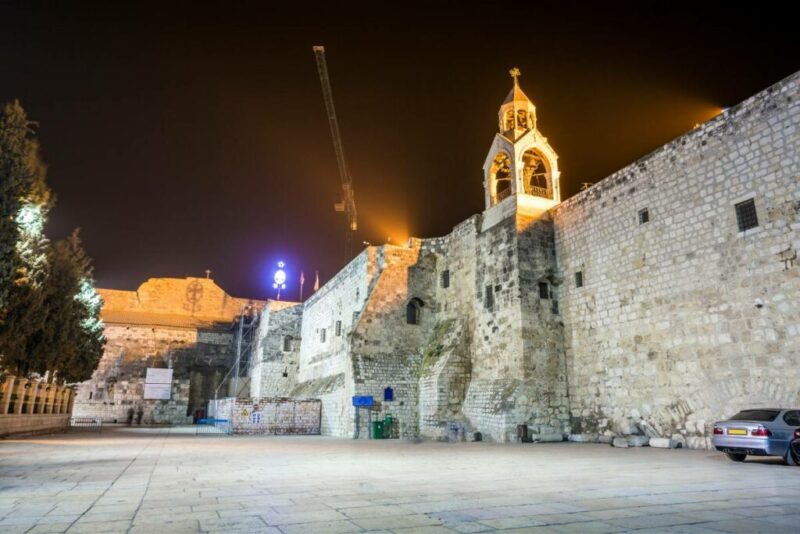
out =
column 657, row 301
column 182, row 324
column 683, row 319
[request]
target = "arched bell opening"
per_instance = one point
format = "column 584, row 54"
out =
column 500, row 177
column 537, row 178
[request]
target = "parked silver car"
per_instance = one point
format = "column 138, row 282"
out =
column 793, row 457
column 758, row 432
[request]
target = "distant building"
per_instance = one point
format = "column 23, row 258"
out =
column 656, row 301
column 180, row 329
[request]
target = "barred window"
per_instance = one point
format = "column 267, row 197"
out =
column 338, row 328
column 579, row 279
column 746, row 216
column 322, row 335
column 446, row 278
column 544, row 290
column 488, row 298
column 644, row 216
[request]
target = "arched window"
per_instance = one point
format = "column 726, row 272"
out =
column 509, row 123
column 536, row 175
column 414, row 311
column 500, row 177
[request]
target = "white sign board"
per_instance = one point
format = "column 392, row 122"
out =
column 158, row 383
column 157, row 391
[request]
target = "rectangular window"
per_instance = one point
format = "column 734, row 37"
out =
column 322, row 335
column 555, row 307
column 488, row 298
column 446, row 278
column 644, row 216
column 746, row 216
column 338, row 328
column 579, row 279
column 544, row 290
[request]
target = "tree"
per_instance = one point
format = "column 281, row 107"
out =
column 70, row 342
column 24, row 202
column 86, row 340
column 49, row 309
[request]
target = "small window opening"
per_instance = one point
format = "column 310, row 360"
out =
column 555, row 307
column 488, row 298
column 287, row 344
column 414, row 311
column 338, row 328
column 644, row 216
column 91, row 394
column 579, row 279
column 446, row 278
column 746, row 216
column 322, row 335
column 544, row 290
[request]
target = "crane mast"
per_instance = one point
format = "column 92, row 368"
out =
column 348, row 201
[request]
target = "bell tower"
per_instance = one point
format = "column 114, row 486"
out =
column 520, row 162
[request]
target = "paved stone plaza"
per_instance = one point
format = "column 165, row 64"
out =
column 168, row 480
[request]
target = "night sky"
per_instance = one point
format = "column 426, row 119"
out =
column 187, row 136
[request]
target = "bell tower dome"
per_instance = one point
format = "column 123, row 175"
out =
column 520, row 162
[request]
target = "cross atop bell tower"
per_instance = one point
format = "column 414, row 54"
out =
column 521, row 161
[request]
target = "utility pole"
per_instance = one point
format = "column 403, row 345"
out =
column 238, row 356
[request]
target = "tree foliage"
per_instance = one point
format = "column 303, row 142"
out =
column 49, row 310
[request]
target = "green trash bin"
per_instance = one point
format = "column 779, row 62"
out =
column 377, row 430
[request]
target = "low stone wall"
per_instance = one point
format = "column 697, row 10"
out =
column 22, row 424
column 271, row 416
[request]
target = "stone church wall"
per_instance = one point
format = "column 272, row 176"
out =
column 684, row 320
column 325, row 367
column 277, row 350
column 184, row 324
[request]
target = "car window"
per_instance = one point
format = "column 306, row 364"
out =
column 792, row 418
column 756, row 415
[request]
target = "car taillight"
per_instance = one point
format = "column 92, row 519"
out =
column 718, row 431
column 762, row 432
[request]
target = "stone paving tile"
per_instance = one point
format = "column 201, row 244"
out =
column 513, row 522
column 101, row 526
column 652, row 521
column 396, row 522
column 179, row 527
column 424, row 530
column 233, row 523
column 375, row 511
column 302, row 517
column 679, row 529
column 592, row 527
column 469, row 527
column 328, row 527
column 785, row 520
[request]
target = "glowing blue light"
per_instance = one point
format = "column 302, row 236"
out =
column 280, row 277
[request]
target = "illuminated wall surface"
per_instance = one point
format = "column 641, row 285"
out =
column 661, row 299
column 680, row 318
column 179, row 323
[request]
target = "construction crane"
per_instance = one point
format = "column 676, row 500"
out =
column 347, row 204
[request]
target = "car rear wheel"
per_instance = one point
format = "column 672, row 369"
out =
column 736, row 457
column 792, row 458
